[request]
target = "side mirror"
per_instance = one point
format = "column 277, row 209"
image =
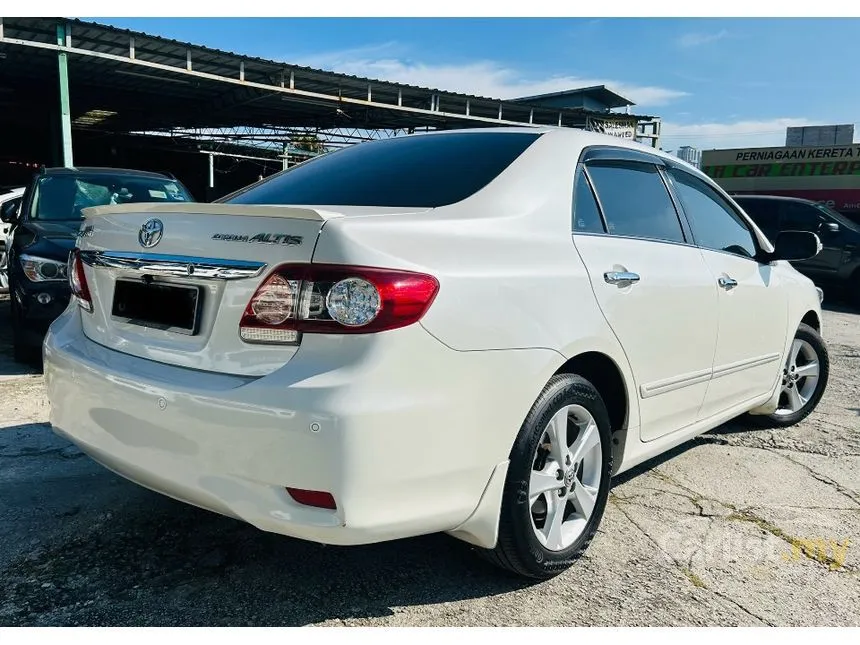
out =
column 9, row 212
column 796, row 245
column 829, row 227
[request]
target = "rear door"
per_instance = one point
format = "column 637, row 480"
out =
column 652, row 285
column 752, row 303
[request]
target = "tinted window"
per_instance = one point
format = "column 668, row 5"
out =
column 764, row 212
column 635, row 201
column 714, row 223
column 839, row 218
column 421, row 170
column 586, row 216
column 797, row 216
column 13, row 204
column 63, row 197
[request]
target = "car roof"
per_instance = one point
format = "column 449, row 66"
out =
column 585, row 137
column 783, row 198
column 80, row 170
column 576, row 137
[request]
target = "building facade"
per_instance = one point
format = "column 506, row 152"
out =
column 826, row 174
column 692, row 156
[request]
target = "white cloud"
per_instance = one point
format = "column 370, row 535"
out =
column 698, row 39
column 330, row 59
column 740, row 134
column 482, row 78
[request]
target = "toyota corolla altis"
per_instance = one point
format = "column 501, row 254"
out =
column 467, row 332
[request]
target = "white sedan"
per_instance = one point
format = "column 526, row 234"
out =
column 467, row 332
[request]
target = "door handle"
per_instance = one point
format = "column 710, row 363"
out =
column 727, row 283
column 621, row 278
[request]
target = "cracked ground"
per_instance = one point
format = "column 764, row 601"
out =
column 738, row 527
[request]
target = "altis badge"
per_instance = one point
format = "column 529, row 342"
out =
column 87, row 231
column 260, row 238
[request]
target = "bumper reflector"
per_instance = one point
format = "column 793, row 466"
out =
column 316, row 498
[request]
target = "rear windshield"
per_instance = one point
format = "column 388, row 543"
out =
column 415, row 171
column 63, row 197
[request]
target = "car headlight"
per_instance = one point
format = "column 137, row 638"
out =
column 820, row 294
column 43, row 270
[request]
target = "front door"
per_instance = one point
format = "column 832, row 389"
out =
column 752, row 306
column 653, row 288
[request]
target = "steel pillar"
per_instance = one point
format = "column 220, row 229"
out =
column 65, row 112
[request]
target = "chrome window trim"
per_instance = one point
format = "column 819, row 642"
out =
column 174, row 265
column 636, row 238
column 683, row 225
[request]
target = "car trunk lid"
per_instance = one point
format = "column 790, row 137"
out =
column 169, row 282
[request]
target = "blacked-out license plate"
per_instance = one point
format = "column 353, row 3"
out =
column 163, row 306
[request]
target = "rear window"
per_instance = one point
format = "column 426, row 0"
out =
column 417, row 171
column 635, row 201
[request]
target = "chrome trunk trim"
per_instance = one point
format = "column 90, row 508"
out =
column 174, row 265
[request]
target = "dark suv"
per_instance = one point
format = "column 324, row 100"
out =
column 44, row 231
column 838, row 264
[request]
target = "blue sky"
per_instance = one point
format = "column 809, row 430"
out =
column 715, row 82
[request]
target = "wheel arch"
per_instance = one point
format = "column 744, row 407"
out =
column 811, row 318
column 606, row 376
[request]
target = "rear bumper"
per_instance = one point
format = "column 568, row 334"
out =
column 383, row 424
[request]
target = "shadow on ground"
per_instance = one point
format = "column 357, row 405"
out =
column 8, row 367
column 152, row 560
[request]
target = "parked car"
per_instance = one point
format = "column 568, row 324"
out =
column 10, row 200
column 467, row 332
column 853, row 215
column 44, row 228
column 838, row 264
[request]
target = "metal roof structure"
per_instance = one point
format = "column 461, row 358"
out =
column 600, row 93
column 125, row 81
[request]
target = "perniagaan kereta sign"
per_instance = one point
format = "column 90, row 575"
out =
column 827, row 174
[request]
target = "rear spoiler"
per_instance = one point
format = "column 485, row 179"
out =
column 194, row 208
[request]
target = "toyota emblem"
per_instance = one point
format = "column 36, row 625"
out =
column 150, row 233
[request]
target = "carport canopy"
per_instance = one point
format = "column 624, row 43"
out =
column 120, row 81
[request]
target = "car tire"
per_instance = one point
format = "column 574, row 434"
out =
column 529, row 543
column 807, row 347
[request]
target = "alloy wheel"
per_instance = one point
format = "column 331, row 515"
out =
column 565, row 478
column 799, row 377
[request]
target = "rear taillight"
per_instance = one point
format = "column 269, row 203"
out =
column 334, row 299
column 78, row 281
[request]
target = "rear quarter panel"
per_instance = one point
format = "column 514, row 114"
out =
column 510, row 276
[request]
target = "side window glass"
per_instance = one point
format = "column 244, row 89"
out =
column 764, row 213
column 635, row 201
column 16, row 204
column 714, row 222
column 586, row 216
column 800, row 217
